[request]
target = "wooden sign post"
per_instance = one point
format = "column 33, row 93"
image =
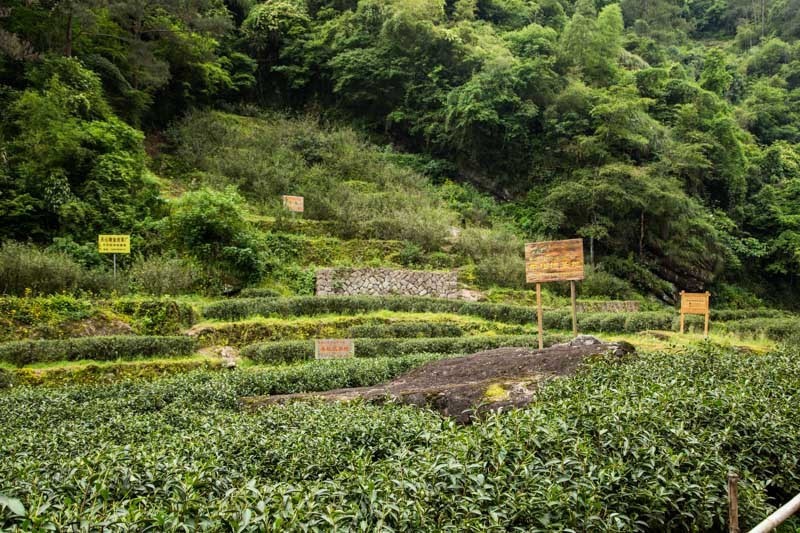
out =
column 114, row 244
column 334, row 348
column 695, row 303
column 293, row 203
column 554, row 261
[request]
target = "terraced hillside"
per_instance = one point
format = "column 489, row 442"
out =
column 65, row 338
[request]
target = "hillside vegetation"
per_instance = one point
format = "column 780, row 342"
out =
column 664, row 133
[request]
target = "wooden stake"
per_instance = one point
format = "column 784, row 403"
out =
column 733, row 503
column 539, row 313
column 681, row 323
column 574, row 310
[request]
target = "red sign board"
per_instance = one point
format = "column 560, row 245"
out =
column 334, row 348
column 293, row 203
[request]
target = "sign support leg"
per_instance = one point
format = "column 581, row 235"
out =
column 539, row 313
column 574, row 309
column 115, row 266
column 705, row 328
column 681, row 323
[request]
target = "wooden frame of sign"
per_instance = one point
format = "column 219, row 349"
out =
column 695, row 303
column 549, row 261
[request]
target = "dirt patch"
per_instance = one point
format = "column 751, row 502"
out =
column 465, row 387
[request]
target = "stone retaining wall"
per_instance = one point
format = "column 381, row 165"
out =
column 386, row 282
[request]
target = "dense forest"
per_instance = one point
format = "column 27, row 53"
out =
column 664, row 132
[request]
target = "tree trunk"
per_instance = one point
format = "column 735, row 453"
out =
column 641, row 236
column 68, row 43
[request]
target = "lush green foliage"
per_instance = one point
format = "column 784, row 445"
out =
column 637, row 446
column 665, row 135
column 21, row 353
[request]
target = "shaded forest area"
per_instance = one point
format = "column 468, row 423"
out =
column 663, row 132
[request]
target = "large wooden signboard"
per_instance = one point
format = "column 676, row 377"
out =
column 114, row 244
column 293, row 203
column 554, row 261
column 695, row 303
column 334, row 348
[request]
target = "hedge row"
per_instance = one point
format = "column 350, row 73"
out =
column 350, row 305
column 406, row 330
column 22, row 353
column 246, row 332
column 96, row 374
column 291, row 351
column 777, row 329
column 258, row 293
column 157, row 316
column 740, row 314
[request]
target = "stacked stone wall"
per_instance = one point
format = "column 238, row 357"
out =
column 386, row 282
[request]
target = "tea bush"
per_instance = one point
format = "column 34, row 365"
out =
column 239, row 308
column 508, row 314
column 259, row 293
column 22, row 353
column 87, row 374
column 380, row 324
column 778, row 329
column 406, row 330
column 42, row 317
column 157, row 316
column 641, row 446
column 290, row 351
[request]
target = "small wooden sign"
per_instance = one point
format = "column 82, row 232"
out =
column 293, row 203
column 554, row 261
column 695, row 303
column 114, row 244
column 334, row 348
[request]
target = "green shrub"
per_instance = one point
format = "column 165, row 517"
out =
column 290, row 351
column 22, row 353
column 739, row 314
column 164, row 275
column 636, row 322
column 601, row 284
column 157, row 317
column 777, row 329
column 259, row 293
column 497, row 254
column 25, row 268
column 406, row 330
column 239, row 308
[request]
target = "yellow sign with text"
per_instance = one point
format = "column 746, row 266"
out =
column 114, row 244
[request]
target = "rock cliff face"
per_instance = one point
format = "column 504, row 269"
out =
column 466, row 387
column 386, row 282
